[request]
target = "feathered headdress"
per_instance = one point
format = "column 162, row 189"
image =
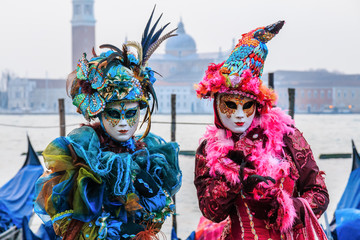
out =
column 241, row 72
column 118, row 74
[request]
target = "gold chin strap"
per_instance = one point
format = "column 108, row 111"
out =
column 148, row 114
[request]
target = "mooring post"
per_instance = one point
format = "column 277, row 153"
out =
column 271, row 83
column 291, row 92
column 271, row 80
column 62, row 117
column 173, row 139
column 173, row 117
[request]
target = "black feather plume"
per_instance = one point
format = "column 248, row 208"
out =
column 125, row 60
column 155, row 101
column 112, row 56
column 150, row 37
column 111, row 47
column 101, row 61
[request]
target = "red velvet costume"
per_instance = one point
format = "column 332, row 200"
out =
column 220, row 196
column 262, row 177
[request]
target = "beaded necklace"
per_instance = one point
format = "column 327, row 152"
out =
column 251, row 217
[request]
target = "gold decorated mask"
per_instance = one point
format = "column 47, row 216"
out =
column 229, row 103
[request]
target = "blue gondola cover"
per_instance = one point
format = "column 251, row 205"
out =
column 17, row 195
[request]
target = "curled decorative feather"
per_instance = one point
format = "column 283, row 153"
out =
column 112, row 56
column 102, row 64
column 153, row 94
column 138, row 48
column 94, row 53
column 70, row 81
column 148, row 120
column 157, row 73
column 111, row 47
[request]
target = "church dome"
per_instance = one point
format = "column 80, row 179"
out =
column 182, row 44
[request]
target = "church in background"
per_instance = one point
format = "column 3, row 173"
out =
column 181, row 66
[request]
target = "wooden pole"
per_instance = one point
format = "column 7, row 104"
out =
column 291, row 92
column 173, row 139
column 271, row 83
column 271, row 80
column 173, row 117
column 62, row 116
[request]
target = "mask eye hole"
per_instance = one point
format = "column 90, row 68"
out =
column 113, row 113
column 130, row 113
column 248, row 105
column 231, row 104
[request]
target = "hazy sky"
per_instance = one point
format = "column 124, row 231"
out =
column 318, row 34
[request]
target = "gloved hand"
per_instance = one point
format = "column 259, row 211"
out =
column 145, row 184
column 237, row 156
column 265, row 208
column 251, row 181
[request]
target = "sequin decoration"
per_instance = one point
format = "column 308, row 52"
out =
column 96, row 104
column 96, row 78
column 82, row 68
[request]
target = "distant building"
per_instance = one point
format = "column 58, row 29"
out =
column 319, row 91
column 5, row 77
column 82, row 29
column 37, row 95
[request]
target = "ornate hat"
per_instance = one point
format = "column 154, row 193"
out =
column 241, row 72
column 117, row 74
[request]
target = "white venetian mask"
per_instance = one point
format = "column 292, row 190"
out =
column 236, row 112
column 120, row 119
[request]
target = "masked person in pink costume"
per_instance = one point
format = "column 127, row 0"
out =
column 254, row 167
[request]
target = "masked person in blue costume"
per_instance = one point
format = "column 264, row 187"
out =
column 102, row 181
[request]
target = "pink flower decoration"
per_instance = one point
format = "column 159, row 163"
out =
column 249, row 83
column 235, row 80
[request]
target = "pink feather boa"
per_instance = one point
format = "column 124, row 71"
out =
column 268, row 160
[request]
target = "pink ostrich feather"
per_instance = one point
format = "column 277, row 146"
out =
column 217, row 147
column 286, row 210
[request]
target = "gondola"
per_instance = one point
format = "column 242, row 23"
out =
column 356, row 157
column 17, row 197
column 346, row 221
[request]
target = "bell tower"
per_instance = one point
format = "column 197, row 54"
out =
column 83, row 29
